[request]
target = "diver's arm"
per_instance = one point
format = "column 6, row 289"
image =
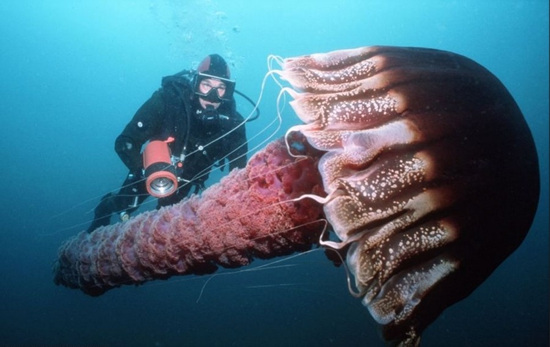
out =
column 144, row 125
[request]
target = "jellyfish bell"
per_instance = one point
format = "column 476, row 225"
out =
column 430, row 169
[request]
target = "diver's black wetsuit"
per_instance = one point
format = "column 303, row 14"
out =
column 174, row 111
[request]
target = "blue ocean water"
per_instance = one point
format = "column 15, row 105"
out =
column 74, row 73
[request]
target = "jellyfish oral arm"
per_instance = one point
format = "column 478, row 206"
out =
column 253, row 212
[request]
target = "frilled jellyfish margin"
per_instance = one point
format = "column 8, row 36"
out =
column 249, row 214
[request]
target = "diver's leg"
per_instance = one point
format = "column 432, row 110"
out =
column 102, row 213
column 130, row 196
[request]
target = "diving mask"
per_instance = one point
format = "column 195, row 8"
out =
column 205, row 89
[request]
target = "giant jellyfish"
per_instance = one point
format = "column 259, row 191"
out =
column 419, row 160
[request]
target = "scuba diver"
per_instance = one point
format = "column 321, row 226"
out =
column 187, row 126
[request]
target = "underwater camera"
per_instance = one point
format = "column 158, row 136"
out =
column 160, row 174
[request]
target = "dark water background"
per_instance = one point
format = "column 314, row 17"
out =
column 73, row 74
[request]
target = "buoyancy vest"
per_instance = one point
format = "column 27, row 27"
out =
column 194, row 142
